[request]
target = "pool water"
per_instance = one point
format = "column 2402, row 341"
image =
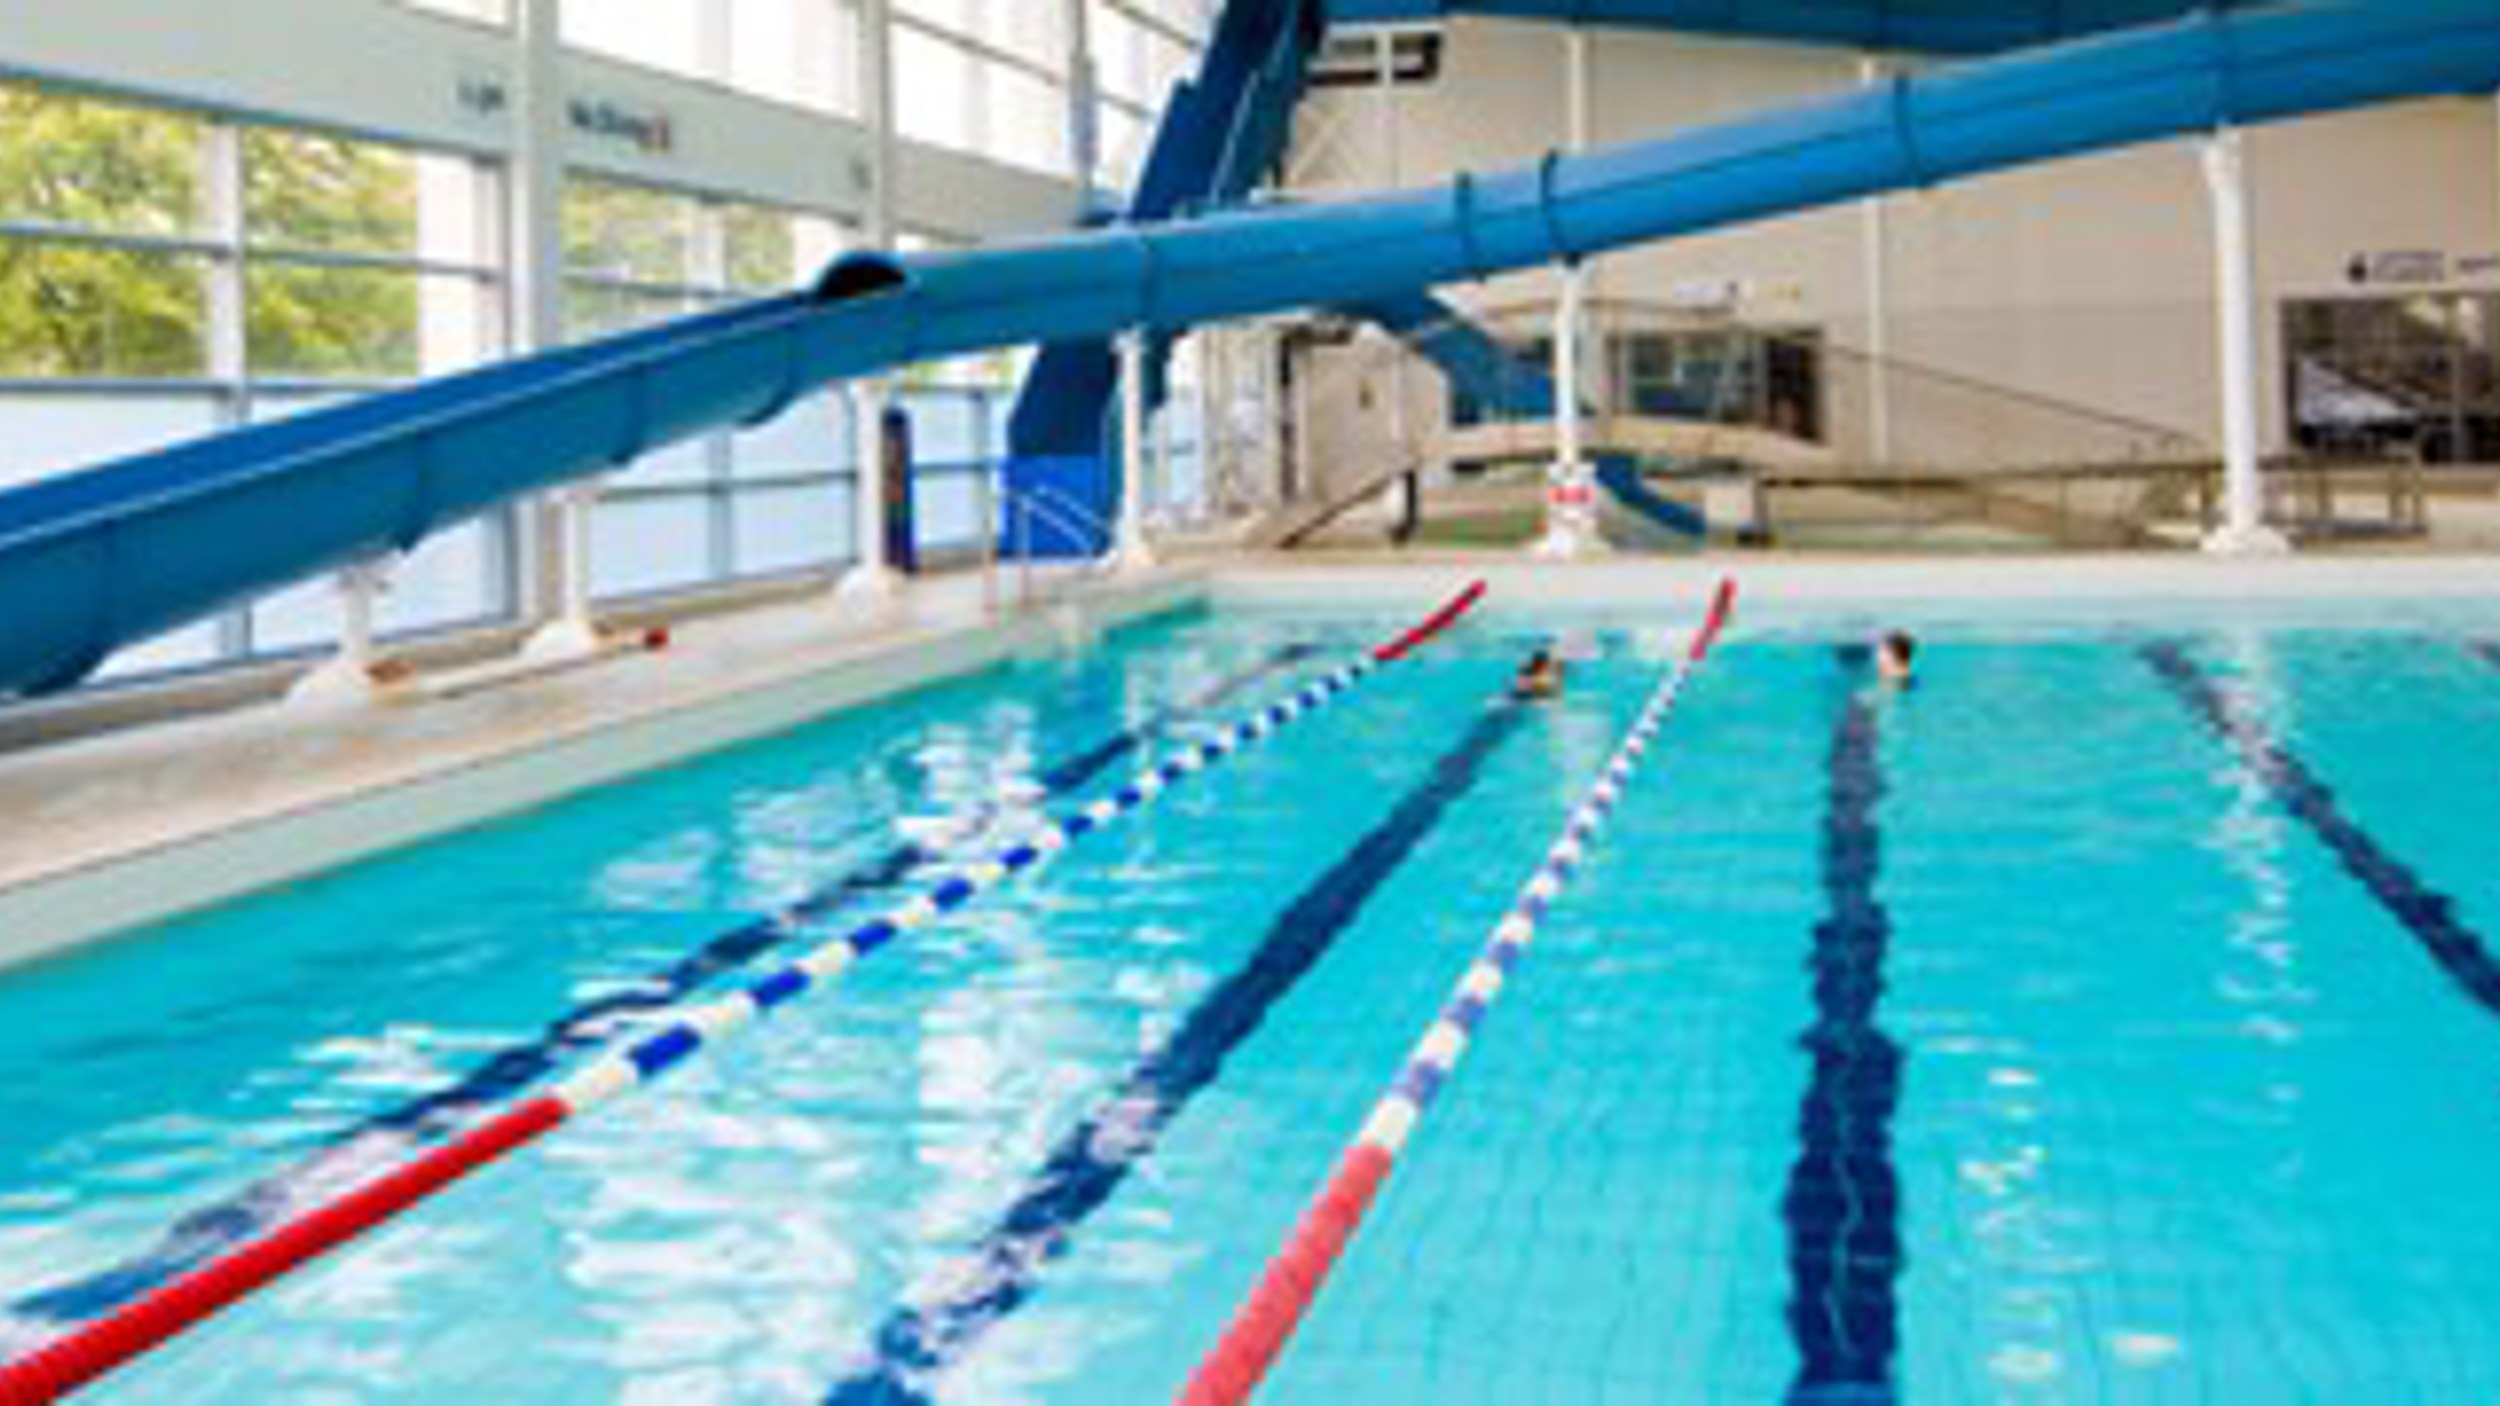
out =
column 2097, row 1020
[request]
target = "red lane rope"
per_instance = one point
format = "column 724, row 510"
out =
column 1432, row 625
column 1292, row 1280
column 86, row 1353
column 150, row 1320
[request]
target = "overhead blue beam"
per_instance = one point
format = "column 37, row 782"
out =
column 1960, row 27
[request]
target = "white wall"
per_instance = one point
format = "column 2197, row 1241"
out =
column 2088, row 280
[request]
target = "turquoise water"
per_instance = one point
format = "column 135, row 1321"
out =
column 2180, row 1109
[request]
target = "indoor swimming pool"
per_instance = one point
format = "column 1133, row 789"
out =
column 2109, row 1016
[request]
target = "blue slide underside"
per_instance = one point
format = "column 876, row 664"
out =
column 104, row 558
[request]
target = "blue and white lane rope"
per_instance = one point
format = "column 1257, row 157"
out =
column 701, row 1025
column 505, row 1073
column 1284, row 1294
column 99, row 1346
column 654, row 1053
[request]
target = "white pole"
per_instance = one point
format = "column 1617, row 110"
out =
column 1570, row 489
column 2244, row 531
column 872, row 580
column 1875, row 235
column 1131, row 553
column 1385, row 113
column 349, row 676
column 560, row 519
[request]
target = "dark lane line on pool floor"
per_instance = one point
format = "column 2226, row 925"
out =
column 1843, row 1199
column 1089, row 1163
column 2425, row 912
column 204, row 1233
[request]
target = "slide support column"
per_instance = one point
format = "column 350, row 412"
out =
column 557, row 522
column 348, row 676
column 872, row 582
column 1875, row 234
column 2243, row 531
column 1570, row 487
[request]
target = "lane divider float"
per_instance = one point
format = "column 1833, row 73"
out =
column 95, row 1348
column 1266, row 1321
column 380, row 1139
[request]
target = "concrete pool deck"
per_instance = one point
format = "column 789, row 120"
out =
column 115, row 832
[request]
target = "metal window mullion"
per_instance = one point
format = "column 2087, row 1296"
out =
column 353, row 259
column 93, row 237
column 1156, row 25
column 976, row 47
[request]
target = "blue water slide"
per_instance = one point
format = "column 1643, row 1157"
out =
column 1222, row 130
column 110, row 556
column 1510, row 387
column 1915, row 26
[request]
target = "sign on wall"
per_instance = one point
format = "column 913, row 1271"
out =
column 2419, row 268
column 648, row 129
column 2397, row 268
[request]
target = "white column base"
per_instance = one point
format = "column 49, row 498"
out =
column 341, row 683
column 1131, row 555
column 869, row 586
column 1570, row 518
column 563, row 641
column 2257, row 541
column 1569, row 542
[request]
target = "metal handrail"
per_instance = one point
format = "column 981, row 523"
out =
column 1056, row 509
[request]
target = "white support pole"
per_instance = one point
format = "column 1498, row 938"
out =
column 559, row 521
column 349, row 677
column 1875, row 247
column 1130, row 551
column 2243, row 531
column 1596, row 386
column 872, row 581
column 228, row 332
column 1570, row 486
column 1393, row 175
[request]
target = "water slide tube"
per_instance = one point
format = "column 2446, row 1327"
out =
column 96, row 560
column 1885, row 26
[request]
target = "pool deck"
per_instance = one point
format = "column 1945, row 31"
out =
column 118, row 831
